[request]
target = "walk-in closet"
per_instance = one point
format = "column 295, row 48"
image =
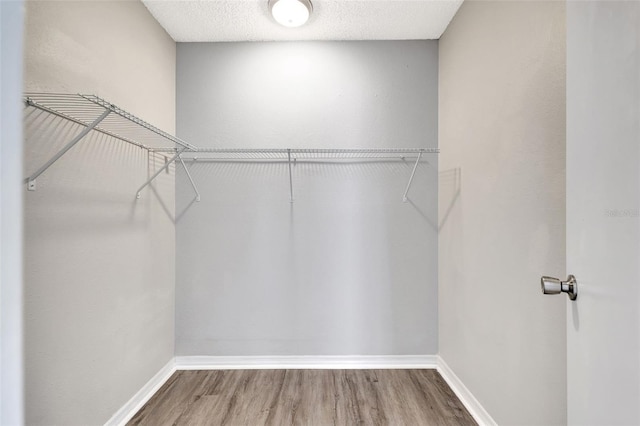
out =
column 214, row 212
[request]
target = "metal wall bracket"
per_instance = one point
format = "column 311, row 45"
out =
column 290, row 177
column 413, row 173
column 193, row 184
column 31, row 180
column 167, row 164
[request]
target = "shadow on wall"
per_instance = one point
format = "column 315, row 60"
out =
column 450, row 186
column 309, row 175
column 98, row 271
column 345, row 269
column 74, row 182
column 158, row 186
column 92, row 177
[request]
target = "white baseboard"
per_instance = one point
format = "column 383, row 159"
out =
column 128, row 410
column 477, row 411
column 304, row 362
column 131, row 407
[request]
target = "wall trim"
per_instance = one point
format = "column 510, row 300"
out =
column 306, row 362
column 131, row 407
column 477, row 411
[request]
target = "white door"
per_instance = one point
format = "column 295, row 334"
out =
column 603, row 212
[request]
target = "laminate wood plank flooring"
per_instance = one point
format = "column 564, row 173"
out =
column 304, row 397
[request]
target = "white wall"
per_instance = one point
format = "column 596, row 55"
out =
column 502, row 206
column 603, row 211
column 11, row 307
column 100, row 266
column 347, row 268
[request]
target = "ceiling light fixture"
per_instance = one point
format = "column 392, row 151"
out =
column 291, row 13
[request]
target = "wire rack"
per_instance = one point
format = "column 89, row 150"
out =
column 120, row 124
column 219, row 154
column 292, row 155
column 96, row 114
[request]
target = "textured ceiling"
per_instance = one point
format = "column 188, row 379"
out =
column 250, row 20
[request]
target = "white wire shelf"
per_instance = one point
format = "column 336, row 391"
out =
column 96, row 114
column 120, row 124
column 285, row 154
column 293, row 155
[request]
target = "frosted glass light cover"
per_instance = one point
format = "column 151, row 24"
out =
column 291, row 13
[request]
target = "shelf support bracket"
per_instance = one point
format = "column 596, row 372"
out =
column 413, row 173
column 31, row 180
column 193, row 184
column 163, row 168
column 290, row 177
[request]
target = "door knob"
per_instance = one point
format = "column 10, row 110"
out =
column 552, row 285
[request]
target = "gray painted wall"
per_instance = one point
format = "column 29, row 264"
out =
column 11, row 189
column 502, row 206
column 100, row 267
column 346, row 269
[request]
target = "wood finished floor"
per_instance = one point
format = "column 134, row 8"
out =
column 304, row 397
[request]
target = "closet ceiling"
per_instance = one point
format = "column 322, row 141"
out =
column 250, row 20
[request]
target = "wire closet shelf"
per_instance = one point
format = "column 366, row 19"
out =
column 305, row 154
column 97, row 114
column 291, row 156
column 118, row 123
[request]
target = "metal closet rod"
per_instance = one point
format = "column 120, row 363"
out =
column 287, row 155
column 286, row 151
column 266, row 154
